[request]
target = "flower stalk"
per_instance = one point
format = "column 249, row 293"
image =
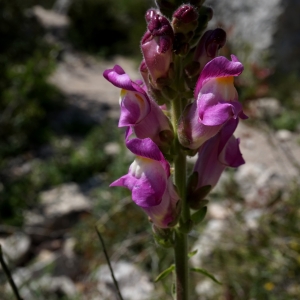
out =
column 181, row 239
column 186, row 104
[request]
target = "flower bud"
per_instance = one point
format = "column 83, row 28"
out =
column 209, row 45
column 157, row 46
column 150, row 14
column 185, row 19
column 184, row 23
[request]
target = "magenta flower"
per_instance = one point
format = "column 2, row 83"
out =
column 138, row 110
column 214, row 156
column 216, row 102
column 157, row 45
column 149, row 180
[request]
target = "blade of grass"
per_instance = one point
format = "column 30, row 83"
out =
column 109, row 264
column 8, row 275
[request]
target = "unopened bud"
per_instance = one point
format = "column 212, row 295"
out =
column 184, row 23
column 150, row 14
column 157, row 46
column 185, row 14
column 215, row 41
column 209, row 45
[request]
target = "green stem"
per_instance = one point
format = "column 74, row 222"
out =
column 181, row 265
column 181, row 241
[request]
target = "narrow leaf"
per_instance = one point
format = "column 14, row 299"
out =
column 173, row 291
column 165, row 273
column 191, row 254
column 199, row 215
column 204, row 272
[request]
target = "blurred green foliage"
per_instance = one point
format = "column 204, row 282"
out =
column 108, row 28
column 26, row 98
column 71, row 160
column 260, row 261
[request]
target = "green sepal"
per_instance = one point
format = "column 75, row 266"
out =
column 165, row 273
column 157, row 96
column 207, row 274
column 202, row 192
column 163, row 236
column 191, row 254
column 195, row 197
column 169, row 93
column 199, row 215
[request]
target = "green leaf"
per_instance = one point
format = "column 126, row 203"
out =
column 191, row 254
column 204, row 272
column 199, row 215
column 165, row 273
column 173, row 291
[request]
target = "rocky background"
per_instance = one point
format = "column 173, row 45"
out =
column 61, row 148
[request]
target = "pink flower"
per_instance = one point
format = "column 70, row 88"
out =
column 157, row 45
column 214, row 156
column 217, row 102
column 149, row 180
column 138, row 110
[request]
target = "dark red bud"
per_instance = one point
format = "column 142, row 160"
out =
column 150, row 14
column 159, row 25
column 186, row 13
column 215, row 41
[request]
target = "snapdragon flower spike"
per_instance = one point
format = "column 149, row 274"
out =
column 150, row 182
column 157, row 45
column 216, row 103
column 214, row 156
column 139, row 111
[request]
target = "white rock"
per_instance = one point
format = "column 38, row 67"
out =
column 207, row 288
column 208, row 240
column 63, row 200
column 283, row 135
column 265, row 107
column 258, row 183
column 251, row 217
column 112, row 148
column 217, row 211
column 16, row 247
column 134, row 284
